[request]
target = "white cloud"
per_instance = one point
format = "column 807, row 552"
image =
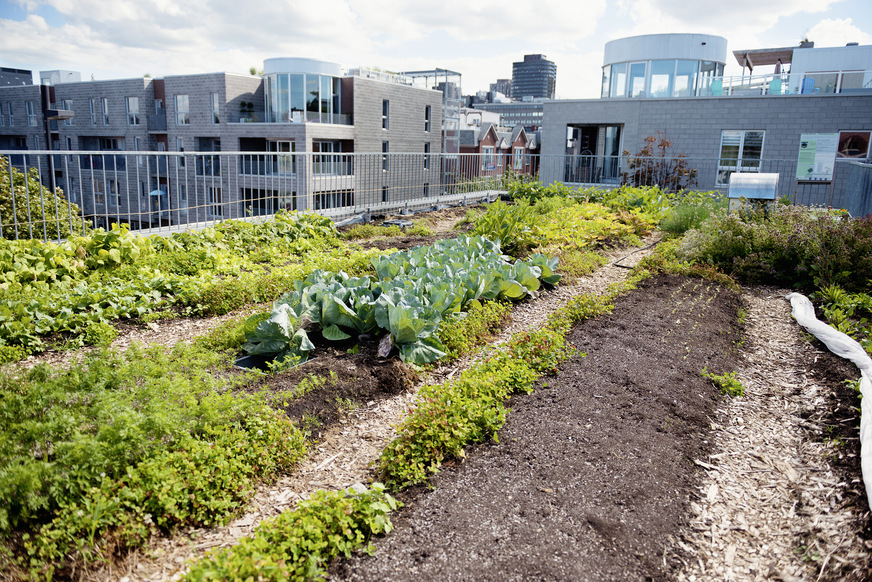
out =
column 837, row 32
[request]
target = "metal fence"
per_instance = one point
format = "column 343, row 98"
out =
column 165, row 192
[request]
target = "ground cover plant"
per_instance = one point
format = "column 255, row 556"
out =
column 98, row 516
column 53, row 293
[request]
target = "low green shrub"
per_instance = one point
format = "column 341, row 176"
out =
column 790, row 246
column 367, row 231
column 297, row 545
column 461, row 335
column 728, row 383
column 690, row 212
column 100, row 333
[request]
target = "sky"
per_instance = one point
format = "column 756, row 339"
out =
column 114, row 39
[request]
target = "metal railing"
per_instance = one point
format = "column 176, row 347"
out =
column 165, row 192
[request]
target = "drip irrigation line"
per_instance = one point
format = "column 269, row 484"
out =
column 616, row 263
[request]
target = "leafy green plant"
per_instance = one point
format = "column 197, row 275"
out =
column 22, row 196
column 514, row 226
column 280, row 336
column 728, row 383
column 298, row 545
column 100, row 334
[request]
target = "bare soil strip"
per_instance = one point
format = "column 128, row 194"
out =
column 772, row 506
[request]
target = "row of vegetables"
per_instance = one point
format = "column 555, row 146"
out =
column 412, row 292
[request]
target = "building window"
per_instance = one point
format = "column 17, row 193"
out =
column 853, row 145
column 215, row 207
column 427, row 156
column 112, row 190
column 487, row 158
column 286, row 163
column 68, row 106
column 183, row 196
column 2, row 117
column 180, row 146
column 518, row 159
column 386, row 113
column 215, row 117
column 183, row 112
column 92, row 110
column 427, row 118
column 99, row 192
column 133, row 111
column 105, row 111
column 384, row 193
column 11, row 119
column 137, row 146
column 426, row 190
column 385, row 150
column 30, row 110
column 741, row 151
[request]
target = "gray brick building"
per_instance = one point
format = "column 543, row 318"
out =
column 229, row 145
column 673, row 86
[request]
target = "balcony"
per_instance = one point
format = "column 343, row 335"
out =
column 807, row 83
column 157, row 122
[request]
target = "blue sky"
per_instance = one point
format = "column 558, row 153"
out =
column 124, row 38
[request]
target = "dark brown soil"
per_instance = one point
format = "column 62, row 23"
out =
column 840, row 420
column 352, row 379
column 593, row 471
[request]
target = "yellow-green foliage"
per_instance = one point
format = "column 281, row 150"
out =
column 33, row 201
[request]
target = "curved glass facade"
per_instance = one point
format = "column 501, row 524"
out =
column 303, row 97
column 660, row 78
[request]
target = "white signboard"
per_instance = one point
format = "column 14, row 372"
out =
column 817, row 157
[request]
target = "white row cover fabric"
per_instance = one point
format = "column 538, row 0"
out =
column 845, row 347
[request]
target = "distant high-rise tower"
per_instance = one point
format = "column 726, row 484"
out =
column 535, row 76
column 503, row 86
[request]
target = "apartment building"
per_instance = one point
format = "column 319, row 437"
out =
column 787, row 99
column 224, row 145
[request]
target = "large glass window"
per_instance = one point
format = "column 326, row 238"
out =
column 313, row 98
column 285, row 161
column 133, row 111
column 612, row 151
column 741, row 151
column 326, row 100
column 636, row 80
column 298, row 97
column 92, row 109
column 708, row 71
column 386, row 114
column 619, row 80
column 606, row 76
column 183, row 111
column 427, row 118
column 283, row 95
column 105, row 107
column 386, row 147
column 662, row 72
column 853, row 145
column 30, row 110
column 216, row 105
column 685, row 78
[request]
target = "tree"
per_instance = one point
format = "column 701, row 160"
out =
column 656, row 165
column 27, row 204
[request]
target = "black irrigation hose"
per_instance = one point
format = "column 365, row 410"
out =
column 615, row 263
